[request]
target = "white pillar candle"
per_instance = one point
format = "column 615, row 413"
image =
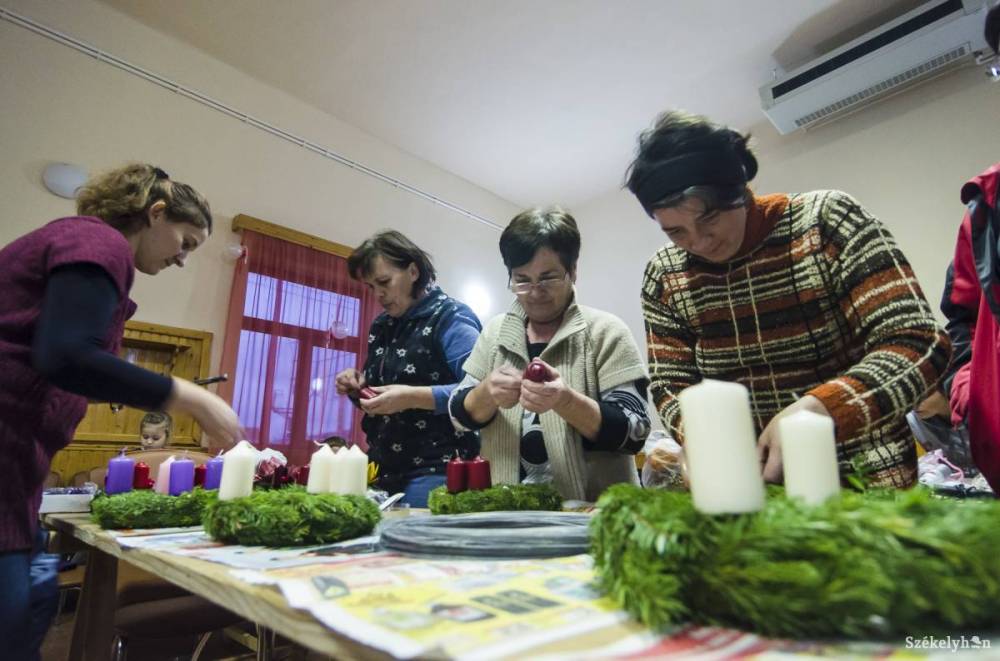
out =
column 338, row 472
column 320, row 467
column 163, row 476
column 720, row 447
column 809, row 456
column 238, row 467
column 355, row 467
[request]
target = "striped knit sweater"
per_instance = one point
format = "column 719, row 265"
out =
column 825, row 304
column 593, row 351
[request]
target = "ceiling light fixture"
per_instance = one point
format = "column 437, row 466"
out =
column 63, row 179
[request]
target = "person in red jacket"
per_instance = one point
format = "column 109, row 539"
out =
column 973, row 292
column 972, row 305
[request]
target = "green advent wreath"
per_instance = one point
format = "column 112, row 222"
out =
column 147, row 509
column 872, row 564
column 290, row 517
column 501, row 498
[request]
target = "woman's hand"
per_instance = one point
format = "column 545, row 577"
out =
column 350, row 382
column 503, row 385
column 545, row 396
column 935, row 404
column 768, row 445
column 389, row 399
column 216, row 417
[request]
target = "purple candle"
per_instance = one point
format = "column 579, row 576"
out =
column 213, row 471
column 181, row 476
column 120, row 474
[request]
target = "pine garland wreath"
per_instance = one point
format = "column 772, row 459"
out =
column 862, row 565
column 290, row 517
column 148, row 509
column 501, row 498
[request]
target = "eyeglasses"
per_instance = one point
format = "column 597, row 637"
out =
column 545, row 284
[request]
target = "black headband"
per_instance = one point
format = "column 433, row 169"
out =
column 720, row 167
column 160, row 174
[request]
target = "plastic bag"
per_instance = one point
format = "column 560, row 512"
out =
column 664, row 467
column 937, row 433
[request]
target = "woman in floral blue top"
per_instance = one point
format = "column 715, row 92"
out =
column 416, row 349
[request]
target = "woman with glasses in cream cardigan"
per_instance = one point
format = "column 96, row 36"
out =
column 581, row 426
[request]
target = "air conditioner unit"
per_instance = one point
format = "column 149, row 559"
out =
column 934, row 38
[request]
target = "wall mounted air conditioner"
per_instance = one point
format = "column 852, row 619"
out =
column 930, row 40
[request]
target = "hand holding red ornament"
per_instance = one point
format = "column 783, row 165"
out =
column 542, row 388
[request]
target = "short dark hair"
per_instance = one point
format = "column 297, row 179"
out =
column 691, row 149
column 992, row 29
column 396, row 249
column 538, row 228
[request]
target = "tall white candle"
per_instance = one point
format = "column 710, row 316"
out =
column 238, row 467
column 338, row 472
column 320, row 467
column 355, row 471
column 163, row 476
column 809, row 456
column 720, row 447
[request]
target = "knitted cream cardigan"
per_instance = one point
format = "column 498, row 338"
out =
column 593, row 351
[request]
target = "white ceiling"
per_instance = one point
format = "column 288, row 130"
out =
column 537, row 101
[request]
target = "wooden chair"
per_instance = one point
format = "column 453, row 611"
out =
column 150, row 608
column 52, row 480
column 147, row 606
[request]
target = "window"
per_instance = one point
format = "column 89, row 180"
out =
column 301, row 321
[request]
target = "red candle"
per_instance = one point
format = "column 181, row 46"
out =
column 536, row 371
column 302, row 475
column 479, row 474
column 140, row 478
column 199, row 475
column 457, row 474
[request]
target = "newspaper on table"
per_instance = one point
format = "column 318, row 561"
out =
column 196, row 543
column 124, row 535
column 490, row 609
column 452, row 607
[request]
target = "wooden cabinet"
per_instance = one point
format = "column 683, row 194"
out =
column 107, row 427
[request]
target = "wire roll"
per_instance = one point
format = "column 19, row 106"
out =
column 490, row 535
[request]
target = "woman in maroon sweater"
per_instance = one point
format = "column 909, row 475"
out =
column 62, row 315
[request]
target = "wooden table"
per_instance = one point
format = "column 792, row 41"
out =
column 93, row 630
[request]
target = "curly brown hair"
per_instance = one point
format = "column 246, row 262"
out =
column 122, row 198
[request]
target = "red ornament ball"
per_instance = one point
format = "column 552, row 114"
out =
column 537, row 372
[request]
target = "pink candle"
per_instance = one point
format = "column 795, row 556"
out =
column 181, row 476
column 121, row 471
column 163, row 476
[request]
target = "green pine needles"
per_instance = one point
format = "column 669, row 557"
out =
column 290, row 517
column 863, row 565
column 501, row 498
column 268, row 517
column 147, row 509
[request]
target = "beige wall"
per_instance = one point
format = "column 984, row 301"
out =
column 905, row 159
column 57, row 104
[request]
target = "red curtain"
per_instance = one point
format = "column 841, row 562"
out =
column 296, row 319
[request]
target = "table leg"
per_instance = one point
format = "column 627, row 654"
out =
column 265, row 643
column 93, row 629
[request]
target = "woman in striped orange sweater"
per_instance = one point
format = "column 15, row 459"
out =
column 805, row 299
